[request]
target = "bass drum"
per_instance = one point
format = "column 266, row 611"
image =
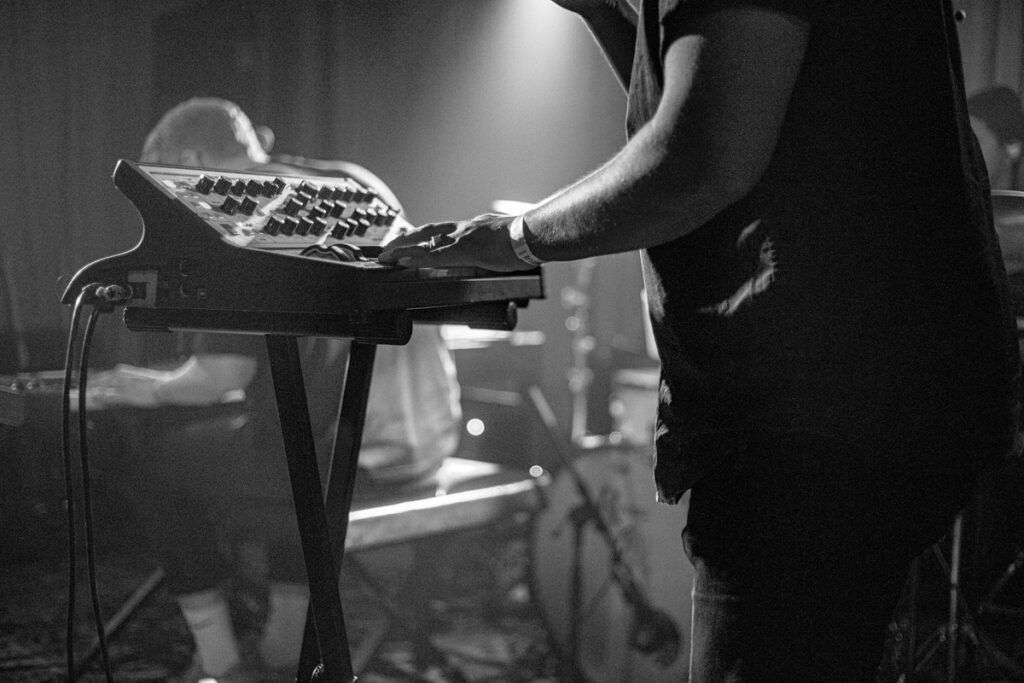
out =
column 648, row 533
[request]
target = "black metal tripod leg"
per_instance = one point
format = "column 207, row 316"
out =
column 344, row 462
column 114, row 624
column 325, row 600
column 345, row 456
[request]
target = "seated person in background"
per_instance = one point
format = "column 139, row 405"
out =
column 216, row 482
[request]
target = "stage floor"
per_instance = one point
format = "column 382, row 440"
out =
column 476, row 619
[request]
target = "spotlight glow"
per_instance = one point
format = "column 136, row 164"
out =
column 475, row 426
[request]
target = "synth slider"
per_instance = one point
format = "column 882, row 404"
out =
column 261, row 253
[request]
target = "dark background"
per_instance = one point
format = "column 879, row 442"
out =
column 454, row 103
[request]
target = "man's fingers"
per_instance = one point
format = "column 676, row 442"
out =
column 392, row 255
column 422, row 257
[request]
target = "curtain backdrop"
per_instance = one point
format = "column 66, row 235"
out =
column 439, row 98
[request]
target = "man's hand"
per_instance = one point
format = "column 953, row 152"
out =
column 204, row 379
column 125, row 385
column 482, row 242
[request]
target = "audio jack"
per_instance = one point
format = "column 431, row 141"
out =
column 114, row 294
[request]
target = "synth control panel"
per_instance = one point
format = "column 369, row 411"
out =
column 253, row 252
column 330, row 218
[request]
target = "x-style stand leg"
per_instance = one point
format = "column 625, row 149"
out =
column 322, row 526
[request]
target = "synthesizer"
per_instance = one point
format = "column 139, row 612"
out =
column 265, row 253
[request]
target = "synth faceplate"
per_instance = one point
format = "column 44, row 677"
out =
column 255, row 252
column 281, row 212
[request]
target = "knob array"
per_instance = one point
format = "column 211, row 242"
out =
column 341, row 209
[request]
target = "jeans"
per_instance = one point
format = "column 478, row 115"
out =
column 800, row 552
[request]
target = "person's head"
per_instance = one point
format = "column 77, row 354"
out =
column 998, row 122
column 207, row 132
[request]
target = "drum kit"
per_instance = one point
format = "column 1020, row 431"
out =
column 609, row 572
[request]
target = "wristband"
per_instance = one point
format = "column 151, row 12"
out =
column 519, row 246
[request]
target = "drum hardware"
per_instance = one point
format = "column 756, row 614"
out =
column 989, row 604
column 580, row 375
column 961, row 627
column 654, row 632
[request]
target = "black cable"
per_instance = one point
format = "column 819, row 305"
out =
column 87, row 488
column 69, row 489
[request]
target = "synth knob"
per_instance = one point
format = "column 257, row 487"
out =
column 230, row 205
column 248, row 205
column 306, row 188
column 254, row 187
column 337, row 208
column 362, row 194
column 273, row 225
column 222, row 186
column 338, row 231
column 279, row 186
column 289, row 225
column 204, row 184
column 325, row 192
column 293, row 206
column 318, row 211
column 238, row 188
column 362, row 225
column 305, row 225
column 318, row 227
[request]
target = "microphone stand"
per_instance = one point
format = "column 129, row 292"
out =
column 580, row 376
column 655, row 632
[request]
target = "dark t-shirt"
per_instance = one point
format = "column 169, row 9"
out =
column 857, row 291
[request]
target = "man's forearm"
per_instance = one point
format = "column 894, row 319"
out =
column 614, row 27
column 642, row 197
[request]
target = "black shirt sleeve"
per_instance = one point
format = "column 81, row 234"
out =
column 673, row 11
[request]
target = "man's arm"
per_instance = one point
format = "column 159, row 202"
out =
column 727, row 88
column 728, row 80
column 204, row 379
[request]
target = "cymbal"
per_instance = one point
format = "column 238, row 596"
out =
column 1008, row 212
column 1008, row 205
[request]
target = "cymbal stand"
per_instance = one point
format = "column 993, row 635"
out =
column 655, row 632
column 960, row 622
column 989, row 605
column 580, row 375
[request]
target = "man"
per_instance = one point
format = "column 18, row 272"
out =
column 214, row 476
column 826, row 292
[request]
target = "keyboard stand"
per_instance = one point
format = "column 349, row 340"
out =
column 322, row 525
